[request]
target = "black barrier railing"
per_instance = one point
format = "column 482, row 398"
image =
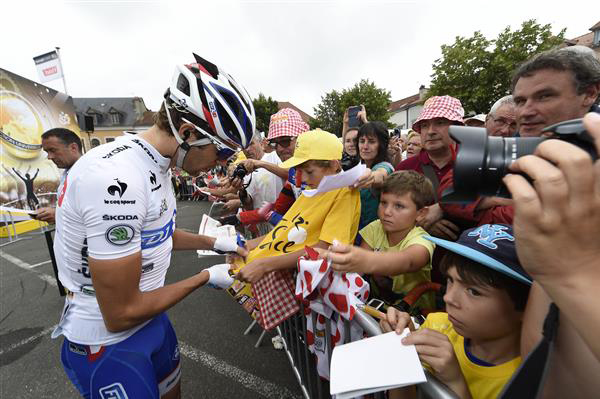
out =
column 293, row 333
column 50, row 243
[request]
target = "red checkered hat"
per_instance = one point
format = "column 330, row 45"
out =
column 440, row 107
column 286, row 122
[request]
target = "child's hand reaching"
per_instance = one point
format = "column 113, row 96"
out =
column 396, row 320
column 346, row 258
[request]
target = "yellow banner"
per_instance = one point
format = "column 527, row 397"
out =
column 27, row 109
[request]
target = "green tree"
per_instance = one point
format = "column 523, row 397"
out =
column 264, row 107
column 330, row 112
column 478, row 71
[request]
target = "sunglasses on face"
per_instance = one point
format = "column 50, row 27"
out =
column 285, row 143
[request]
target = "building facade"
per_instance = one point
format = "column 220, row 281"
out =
column 108, row 117
column 406, row 111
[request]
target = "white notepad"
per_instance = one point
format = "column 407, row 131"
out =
column 212, row 228
column 333, row 182
column 374, row 364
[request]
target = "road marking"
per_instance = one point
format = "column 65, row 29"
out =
column 248, row 380
column 26, row 266
column 28, row 340
column 40, row 264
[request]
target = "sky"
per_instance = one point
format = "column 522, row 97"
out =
column 293, row 51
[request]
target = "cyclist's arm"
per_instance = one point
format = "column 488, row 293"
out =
column 186, row 240
column 123, row 305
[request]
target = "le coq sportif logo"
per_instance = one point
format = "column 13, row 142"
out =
column 118, row 188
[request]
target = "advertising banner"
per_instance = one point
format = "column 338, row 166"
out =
column 28, row 179
column 48, row 66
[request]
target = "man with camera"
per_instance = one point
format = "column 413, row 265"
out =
column 556, row 224
column 552, row 87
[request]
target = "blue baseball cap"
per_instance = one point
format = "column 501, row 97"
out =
column 491, row 245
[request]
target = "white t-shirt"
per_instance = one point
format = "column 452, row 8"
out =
column 116, row 201
column 265, row 186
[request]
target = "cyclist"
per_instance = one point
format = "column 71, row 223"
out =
column 115, row 230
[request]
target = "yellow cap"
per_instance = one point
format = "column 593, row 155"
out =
column 315, row 145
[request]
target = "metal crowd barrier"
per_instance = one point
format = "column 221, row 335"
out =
column 293, row 332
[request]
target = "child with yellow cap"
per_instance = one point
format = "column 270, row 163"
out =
column 313, row 221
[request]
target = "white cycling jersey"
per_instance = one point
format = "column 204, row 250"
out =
column 116, row 200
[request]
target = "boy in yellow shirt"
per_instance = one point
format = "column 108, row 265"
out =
column 473, row 347
column 394, row 251
column 314, row 221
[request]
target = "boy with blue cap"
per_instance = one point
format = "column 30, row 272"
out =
column 473, row 347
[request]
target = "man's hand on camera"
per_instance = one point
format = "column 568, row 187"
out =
column 251, row 165
column 557, row 219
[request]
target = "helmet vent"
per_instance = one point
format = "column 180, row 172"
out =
column 183, row 85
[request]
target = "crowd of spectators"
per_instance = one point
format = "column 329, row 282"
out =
column 501, row 260
column 506, row 285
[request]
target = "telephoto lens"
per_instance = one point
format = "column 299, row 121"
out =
column 482, row 161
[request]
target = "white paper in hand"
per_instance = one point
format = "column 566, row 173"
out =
column 212, row 228
column 342, row 179
column 374, row 364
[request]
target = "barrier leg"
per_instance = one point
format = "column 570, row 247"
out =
column 250, row 327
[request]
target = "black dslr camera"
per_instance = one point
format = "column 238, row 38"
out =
column 349, row 161
column 483, row 161
column 239, row 172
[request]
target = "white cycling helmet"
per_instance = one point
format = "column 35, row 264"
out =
column 218, row 107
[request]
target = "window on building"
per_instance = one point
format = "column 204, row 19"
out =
column 95, row 142
column 97, row 118
column 596, row 41
column 115, row 118
column 109, row 139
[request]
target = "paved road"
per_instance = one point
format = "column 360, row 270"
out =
column 217, row 362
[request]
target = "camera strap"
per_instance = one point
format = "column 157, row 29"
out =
column 430, row 174
column 528, row 380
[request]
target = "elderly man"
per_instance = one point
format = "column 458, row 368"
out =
column 436, row 158
column 63, row 147
column 500, row 120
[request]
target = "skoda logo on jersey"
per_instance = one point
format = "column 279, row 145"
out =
column 116, row 151
column 146, row 150
column 119, row 217
column 153, row 238
column 113, row 391
column 118, row 188
column 119, row 234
